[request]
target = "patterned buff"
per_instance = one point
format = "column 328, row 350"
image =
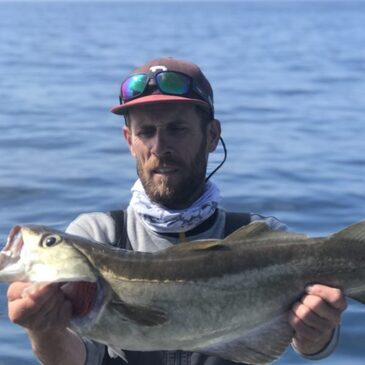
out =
column 163, row 220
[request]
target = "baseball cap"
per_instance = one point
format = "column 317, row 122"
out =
column 153, row 78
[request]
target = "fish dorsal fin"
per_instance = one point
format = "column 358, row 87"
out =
column 252, row 230
column 258, row 231
column 259, row 346
column 354, row 232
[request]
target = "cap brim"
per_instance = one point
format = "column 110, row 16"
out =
column 152, row 99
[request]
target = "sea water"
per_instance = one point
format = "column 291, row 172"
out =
column 289, row 91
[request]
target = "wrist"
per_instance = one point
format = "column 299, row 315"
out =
column 311, row 348
column 38, row 338
column 58, row 347
column 319, row 350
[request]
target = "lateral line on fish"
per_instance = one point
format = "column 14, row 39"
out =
column 156, row 280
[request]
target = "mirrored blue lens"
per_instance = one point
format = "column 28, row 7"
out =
column 173, row 83
column 133, row 86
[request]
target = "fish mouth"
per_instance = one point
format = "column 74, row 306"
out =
column 14, row 243
column 10, row 254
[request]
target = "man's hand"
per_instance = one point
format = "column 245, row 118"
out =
column 39, row 308
column 45, row 312
column 315, row 317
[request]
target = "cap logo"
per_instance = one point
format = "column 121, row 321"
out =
column 157, row 68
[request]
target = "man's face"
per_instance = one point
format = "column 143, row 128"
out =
column 171, row 151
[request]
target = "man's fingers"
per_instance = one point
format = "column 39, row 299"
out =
column 39, row 307
column 56, row 314
column 321, row 309
column 16, row 289
column 304, row 313
column 334, row 297
column 36, row 291
column 302, row 330
column 27, row 300
column 315, row 317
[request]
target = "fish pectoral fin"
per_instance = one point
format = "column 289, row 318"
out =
column 259, row 346
column 115, row 353
column 251, row 230
column 144, row 316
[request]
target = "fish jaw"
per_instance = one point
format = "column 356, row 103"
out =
column 25, row 258
column 11, row 266
column 38, row 254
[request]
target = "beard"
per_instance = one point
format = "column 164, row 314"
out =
column 179, row 191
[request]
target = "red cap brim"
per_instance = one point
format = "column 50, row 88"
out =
column 157, row 98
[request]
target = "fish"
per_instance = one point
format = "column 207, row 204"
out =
column 228, row 298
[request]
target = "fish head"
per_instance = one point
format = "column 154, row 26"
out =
column 41, row 254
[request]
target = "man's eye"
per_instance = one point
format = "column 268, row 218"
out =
column 146, row 132
column 177, row 129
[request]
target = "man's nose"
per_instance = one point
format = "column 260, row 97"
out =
column 161, row 144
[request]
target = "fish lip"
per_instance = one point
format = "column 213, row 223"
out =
column 11, row 265
column 13, row 247
column 14, row 243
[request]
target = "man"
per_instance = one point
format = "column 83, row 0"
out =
column 170, row 130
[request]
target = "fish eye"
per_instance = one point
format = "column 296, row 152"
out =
column 52, row 240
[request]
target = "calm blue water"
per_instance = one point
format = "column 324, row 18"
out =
column 289, row 91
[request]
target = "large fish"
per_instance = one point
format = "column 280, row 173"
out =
column 228, row 298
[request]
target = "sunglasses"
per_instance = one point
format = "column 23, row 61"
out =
column 168, row 82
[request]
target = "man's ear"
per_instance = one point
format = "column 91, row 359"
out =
column 127, row 133
column 214, row 133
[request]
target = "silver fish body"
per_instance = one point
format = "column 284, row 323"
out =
column 228, row 298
